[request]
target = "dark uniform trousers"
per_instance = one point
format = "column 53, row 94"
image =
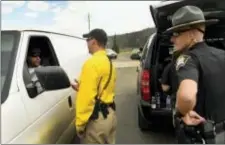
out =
column 220, row 138
column 210, row 63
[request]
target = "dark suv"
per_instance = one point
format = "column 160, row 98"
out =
column 152, row 101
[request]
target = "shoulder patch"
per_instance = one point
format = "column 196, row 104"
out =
column 181, row 61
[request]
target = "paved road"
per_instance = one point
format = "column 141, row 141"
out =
column 124, row 60
column 126, row 100
column 124, row 56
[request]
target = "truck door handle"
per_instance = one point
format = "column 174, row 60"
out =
column 70, row 102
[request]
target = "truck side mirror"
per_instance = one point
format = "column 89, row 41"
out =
column 52, row 78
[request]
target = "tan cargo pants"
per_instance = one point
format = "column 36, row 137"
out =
column 101, row 131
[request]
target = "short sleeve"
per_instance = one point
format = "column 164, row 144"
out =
column 187, row 68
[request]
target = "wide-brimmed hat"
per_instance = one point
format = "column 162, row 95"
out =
column 188, row 16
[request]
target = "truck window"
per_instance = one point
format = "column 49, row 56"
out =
column 9, row 46
column 40, row 53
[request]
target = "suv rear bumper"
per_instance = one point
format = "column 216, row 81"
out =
column 158, row 112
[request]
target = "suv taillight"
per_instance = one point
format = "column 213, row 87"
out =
column 145, row 87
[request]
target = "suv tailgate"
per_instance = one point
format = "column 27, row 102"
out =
column 162, row 13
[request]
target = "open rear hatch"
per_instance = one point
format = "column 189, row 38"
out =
column 163, row 12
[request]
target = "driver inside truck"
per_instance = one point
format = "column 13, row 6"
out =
column 34, row 61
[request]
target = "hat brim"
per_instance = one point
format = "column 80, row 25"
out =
column 36, row 50
column 86, row 35
column 189, row 25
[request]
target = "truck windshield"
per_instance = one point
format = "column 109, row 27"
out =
column 9, row 42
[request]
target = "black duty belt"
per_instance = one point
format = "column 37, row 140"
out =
column 112, row 105
column 107, row 105
column 103, row 108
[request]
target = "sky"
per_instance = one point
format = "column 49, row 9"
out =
column 71, row 17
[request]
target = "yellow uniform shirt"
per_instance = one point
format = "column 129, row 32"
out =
column 94, row 68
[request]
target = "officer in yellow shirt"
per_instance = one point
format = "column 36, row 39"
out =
column 95, row 108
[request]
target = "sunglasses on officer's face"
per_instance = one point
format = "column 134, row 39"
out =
column 88, row 39
column 178, row 33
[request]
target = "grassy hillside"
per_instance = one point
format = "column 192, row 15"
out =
column 131, row 40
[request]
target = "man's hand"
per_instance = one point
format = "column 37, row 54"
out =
column 80, row 131
column 193, row 118
column 165, row 87
column 75, row 85
column 80, row 134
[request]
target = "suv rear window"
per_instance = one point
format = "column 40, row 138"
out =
column 147, row 46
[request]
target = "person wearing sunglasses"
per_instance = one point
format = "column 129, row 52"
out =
column 34, row 61
column 95, row 108
column 200, row 72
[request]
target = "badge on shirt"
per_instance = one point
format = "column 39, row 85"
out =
column 181, row 61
